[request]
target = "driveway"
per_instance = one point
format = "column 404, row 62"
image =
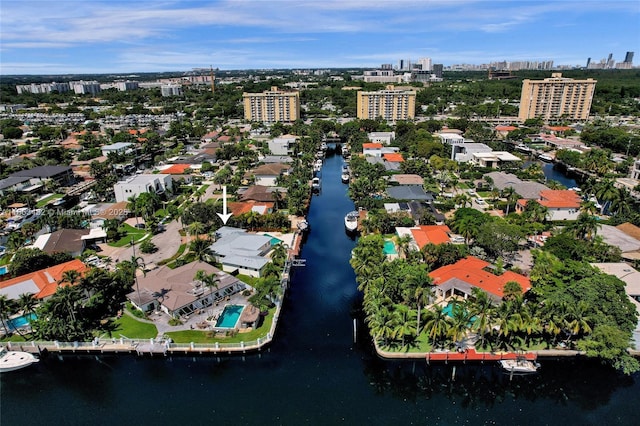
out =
column 167, row 243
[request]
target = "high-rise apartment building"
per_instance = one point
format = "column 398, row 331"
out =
column 628, row 58
column 390, row 104
column 272, row 106
column 425, row 64
column 437, row 70
column 171, row 90
column 556, row 97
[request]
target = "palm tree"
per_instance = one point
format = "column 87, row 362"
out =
column 279, row 254
column 467, row 227
column 209, row 280
column 196, row 228
column 510, row 194
column 404, row 244
column 6, row 309
column 133, row 206
column 405, row 320
column 460, row 320
column 585, row 226
column 27, row 302
column 72, row 277
column 482, row 310
column 201, row 249
column 535, row 211
column 437, row 324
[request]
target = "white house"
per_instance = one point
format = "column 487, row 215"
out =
column 284, row 145
column 139, row 184
column 372, row 149
column 239, row 251
column 118, row 148
column 561, row 204
column 385, row 138
column 268, row 174
column 463, row 152
column 493, row 159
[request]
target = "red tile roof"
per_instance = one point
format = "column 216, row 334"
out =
column 393, row 158
column 46, row 280
column 371, row 145
column 431, row 234
column 176, row 169
column 505, row 128
column 471, row 270
column 241, row 207
column 560, row 198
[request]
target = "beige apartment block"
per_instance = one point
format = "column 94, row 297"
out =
column 556, row 97
column 272, row 106
column 390, row 104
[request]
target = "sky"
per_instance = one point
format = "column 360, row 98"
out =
column 93, row 36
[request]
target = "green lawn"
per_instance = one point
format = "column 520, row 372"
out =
column 130, row 231
column 40, row 204
column 134, row 329
column 195, row 336
column 485, row 194
column 422, row 346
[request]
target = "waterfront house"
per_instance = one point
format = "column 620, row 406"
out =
column 176, row 292
column 241, row 252
column 561, row 204
column 528, row 190
column 422, row 235
column 408, row 192
column 268, row 174
column 407, row 179
column 371, row 149
column 460, row 278
column 43, row 283
column 284, row 145
column 385, row 138
column 261, row 193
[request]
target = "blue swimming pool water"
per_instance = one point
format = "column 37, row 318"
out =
column 389, row 247
column 229, row 316
column 20, row 321
column 3, row 270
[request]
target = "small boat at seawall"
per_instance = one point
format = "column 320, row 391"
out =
column 15, row 360
column 519, row 366
column 546, row 158
column 351, row 221
column 345, row 177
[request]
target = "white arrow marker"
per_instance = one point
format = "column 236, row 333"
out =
column 224, row 215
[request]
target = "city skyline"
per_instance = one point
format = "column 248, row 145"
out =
column 44, row 37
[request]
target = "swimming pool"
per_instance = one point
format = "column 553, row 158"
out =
column 3, row 270
column 389, row 247
column 449, row 311
column 21, row 321
column 229, row 316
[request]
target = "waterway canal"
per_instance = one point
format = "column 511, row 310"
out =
column 313, row 373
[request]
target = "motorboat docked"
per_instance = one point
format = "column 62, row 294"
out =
column 351, row 221
column 546, row 158
column 519, row 366
column 323, row 146
column 345, row 151
column 523, row 148
column 15, row 360
column 303, row 226
column 315, row 184
column 344, row 177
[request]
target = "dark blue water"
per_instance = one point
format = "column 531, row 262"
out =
column 552, row 173
column 313, row 373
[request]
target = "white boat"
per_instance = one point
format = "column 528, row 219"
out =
column 345, row 151
column 323, row 146
column 315, row 183
column 345, row 177
column 519, row 366
column 303, row 225
column 523, row 148
column 351, row 221
column 15, row 360
column 545, row 158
